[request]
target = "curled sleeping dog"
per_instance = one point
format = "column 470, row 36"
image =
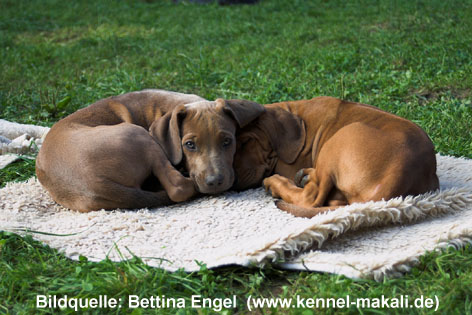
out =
column 103, row 156
column 337, row 152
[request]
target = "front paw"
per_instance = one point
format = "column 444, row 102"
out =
column 270, row 185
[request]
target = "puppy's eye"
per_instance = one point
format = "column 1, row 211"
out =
column 190, row 145
column 227, row 142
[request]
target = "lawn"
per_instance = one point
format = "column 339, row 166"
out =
column 412, row 58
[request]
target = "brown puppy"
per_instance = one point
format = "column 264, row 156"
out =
column 103, row 156
column 338, row 152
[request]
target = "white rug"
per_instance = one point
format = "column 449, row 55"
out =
column 369, row 240
column 19, row 139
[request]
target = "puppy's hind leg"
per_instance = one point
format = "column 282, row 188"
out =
column 284, row 188
column 308, row 177
column 304, row 202
column 123, row 197
column 178, row 187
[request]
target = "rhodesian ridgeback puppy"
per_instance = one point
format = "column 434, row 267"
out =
column 111, row 154
column 338, row 153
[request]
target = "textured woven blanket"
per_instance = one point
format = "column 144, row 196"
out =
column 18, row 139
column 370, row 240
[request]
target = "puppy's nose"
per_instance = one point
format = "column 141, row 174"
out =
column 214, row 180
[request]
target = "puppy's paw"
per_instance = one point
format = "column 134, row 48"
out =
column 183, row 190
column 301, row 178
column 270, row 185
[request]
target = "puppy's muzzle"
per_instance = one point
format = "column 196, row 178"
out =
column 215, row 180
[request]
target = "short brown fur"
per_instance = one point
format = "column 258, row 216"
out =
column 102, row 156
column 347, row 152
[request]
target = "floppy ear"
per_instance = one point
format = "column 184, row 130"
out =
column 166, row 130
column 286, row 133
column 241, row 110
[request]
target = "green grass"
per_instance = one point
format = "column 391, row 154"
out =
column 412, row 58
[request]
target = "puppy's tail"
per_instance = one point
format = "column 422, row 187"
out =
column 119, row 196
column 303, row 212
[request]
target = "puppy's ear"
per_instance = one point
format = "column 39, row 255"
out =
column 241, row 110
column 286, row 133
column 166, row 131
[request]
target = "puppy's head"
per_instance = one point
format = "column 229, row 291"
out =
column 275, row 135
column 202, row 136
column 254, row 159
